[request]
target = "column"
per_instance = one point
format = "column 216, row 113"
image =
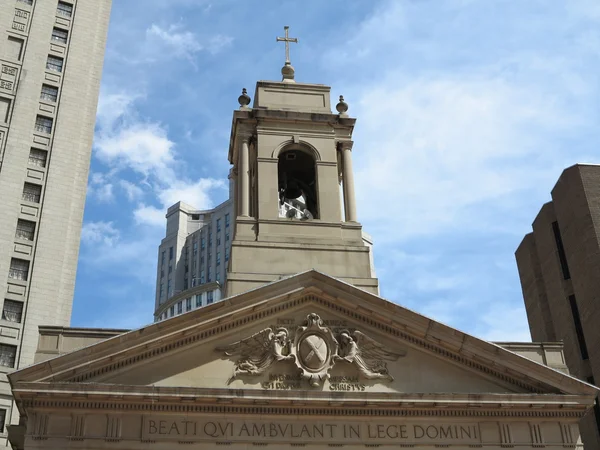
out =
column 244, row 177
column 349, row 199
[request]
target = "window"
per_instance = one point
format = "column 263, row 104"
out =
column 170, row 268
column 218, row 225
column 43, row 124
column 209, row 240
column 168, row 288
column 218, row 240
column 4, row 109
column 162, row 272
column 7, row 355
column 162, row 291
column 226, row 254
column 32, row 193
column 578, row 327
column 561, row 251
column 172, row 310
column 64, row 9
column 226, row 220
column 185, row 283
column 12, row 311
column 14, row 48
column 202, row 243
column 170, row 252
column 38, row 157
column 54, row 63
column 60, row 35
column 218, row 276
column 209, row 277
column 19, row 269
column 198, row 300
column 162, row 258
column 202, row 277
column 188, row 304
column 49, row 93
column 179, row 307
column 209, row 297
column 25, row 230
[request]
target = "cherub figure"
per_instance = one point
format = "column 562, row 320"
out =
column 259, row 351
column 366, row 354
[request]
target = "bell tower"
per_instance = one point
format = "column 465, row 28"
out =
column 292, row 165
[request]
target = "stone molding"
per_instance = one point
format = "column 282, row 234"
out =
column 339, row 297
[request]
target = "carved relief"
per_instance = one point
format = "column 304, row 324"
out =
column 315, row 349
column 259, row 351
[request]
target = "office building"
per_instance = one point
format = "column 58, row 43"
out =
column 559, row 269
column 51, row 57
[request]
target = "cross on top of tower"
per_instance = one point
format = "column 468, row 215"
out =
column 287, row 71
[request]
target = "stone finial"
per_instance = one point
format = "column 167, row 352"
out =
column 244, row 99
column 288, row 72
column 342, row 106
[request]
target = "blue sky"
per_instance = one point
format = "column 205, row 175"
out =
column 468, row 110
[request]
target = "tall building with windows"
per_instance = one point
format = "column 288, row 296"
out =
column 559, row 268
column 192, row 258
column 51, row 55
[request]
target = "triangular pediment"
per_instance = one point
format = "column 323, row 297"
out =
column 311, row 333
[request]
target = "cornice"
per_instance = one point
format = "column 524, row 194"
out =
column 108, row 357
column 257, row 402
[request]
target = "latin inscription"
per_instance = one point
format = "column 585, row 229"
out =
column 188, row 428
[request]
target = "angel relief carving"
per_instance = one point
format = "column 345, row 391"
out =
column 366, row 354
column 314, row 349
column 259, row 351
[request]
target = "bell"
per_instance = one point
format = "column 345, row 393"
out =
column 292, row 190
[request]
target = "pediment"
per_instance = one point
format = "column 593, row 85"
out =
column 309, row 347
column 318, row 335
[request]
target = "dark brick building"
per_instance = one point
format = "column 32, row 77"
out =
column 559, row 268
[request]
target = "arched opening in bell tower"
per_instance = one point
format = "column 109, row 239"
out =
column 297, row 185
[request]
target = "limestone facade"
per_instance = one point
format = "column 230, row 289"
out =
column 51, row 55
column 272, row 367
column 558, row 265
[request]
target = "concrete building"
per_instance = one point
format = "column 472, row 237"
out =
column 192, row 258
column 559, row 268
column 51, row 55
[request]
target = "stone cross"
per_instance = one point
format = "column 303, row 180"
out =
column 287, row 41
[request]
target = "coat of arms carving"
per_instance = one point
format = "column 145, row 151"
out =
column 314, row 349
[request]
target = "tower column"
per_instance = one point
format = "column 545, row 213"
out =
column 244, row 176
column 349, row 198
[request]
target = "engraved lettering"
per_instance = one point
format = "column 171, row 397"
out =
column 244, row 429
column 6, row 85
column 258, row 431
column 174, row 427
column 152, row 429
column 331, row 428
column 21, row 13
column 210, row 429
column 18, row 26
column 162, row 427
column 393, row 434
column 9, row 70
column 419, row 432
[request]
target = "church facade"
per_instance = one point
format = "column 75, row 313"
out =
column 302, row 351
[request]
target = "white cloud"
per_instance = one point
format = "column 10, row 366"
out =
column 432, row 148
column 175, row 40
column 126, row 143
column 133, row 191
column 103, row 233
column 149, row 215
